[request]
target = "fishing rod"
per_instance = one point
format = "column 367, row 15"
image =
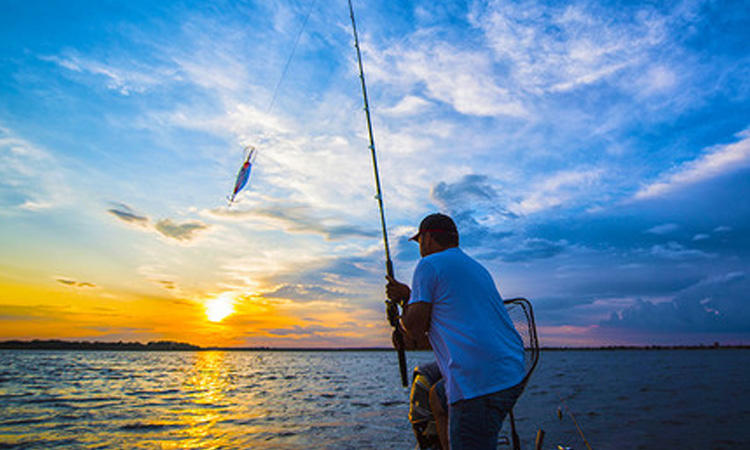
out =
column 392, row 311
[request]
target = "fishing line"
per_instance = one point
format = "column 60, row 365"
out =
column 559, row 414
column 291, row 55
column 240, row 183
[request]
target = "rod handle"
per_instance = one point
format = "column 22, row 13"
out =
column 401, row 356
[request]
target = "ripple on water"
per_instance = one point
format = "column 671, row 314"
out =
column 148, row 426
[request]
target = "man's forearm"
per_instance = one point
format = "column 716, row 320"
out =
column 415, row 342
column 416, row 318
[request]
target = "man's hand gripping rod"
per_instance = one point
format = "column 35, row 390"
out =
column 393, row 319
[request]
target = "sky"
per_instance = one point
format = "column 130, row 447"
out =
column 595, row 156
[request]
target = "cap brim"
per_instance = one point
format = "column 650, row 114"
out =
column 415, row 237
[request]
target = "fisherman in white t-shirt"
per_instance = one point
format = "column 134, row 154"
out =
column 453, row 301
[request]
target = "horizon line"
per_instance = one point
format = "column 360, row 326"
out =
column 165, row 345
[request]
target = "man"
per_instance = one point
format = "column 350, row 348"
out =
column 454, row 302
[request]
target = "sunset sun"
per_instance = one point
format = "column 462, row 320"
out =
column 220, row 307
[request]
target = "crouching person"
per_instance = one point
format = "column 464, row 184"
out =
column 454, row 305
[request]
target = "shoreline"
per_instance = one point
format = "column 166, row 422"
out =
column 56, row 344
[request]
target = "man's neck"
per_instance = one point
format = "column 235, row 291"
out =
column 441, row 249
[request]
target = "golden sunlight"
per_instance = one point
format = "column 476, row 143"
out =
column 220, row 307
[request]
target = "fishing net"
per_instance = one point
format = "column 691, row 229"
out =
column 522, row 315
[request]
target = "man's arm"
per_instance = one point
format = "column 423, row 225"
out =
column 411, row 342
column 415, row 321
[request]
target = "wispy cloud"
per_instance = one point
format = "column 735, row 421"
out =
column 126, row 214
column 461, row 78
column 121, row 77
column 411, row 104
column 73, row 283
column 296, row 330
column 563, row 188
column 300, row 292
column 715, row 161
column 186, row 231
column 662, row 229
column 295, row 217
column 554, row 48
column 527, row 249
column 676, row 251
column 181, row 232
column 31, row 178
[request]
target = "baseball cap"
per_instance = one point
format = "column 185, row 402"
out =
column 436, row 223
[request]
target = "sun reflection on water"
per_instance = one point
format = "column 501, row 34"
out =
column 206, row 385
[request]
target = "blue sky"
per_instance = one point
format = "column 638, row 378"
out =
column 594, row 154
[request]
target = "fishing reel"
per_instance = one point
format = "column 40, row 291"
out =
column 392, row 312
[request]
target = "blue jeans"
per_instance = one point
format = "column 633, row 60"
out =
column 475, row 423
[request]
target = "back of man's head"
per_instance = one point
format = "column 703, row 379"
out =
column 441, row 227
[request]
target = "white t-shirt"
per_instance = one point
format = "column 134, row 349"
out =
column 476, row 345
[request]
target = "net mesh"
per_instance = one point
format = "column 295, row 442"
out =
column 522, row 315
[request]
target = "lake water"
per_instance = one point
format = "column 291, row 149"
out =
column 621, row 399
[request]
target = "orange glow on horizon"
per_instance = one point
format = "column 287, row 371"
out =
column 55, row 310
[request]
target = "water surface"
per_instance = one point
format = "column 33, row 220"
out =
column 340, row 400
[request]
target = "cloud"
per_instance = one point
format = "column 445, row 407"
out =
column 39, row 312
column 527, row 249
column 409, row 105
column 167, row 284
column 676, row 251
column 116, row 76
column 474, row 190
column 31, row 178
column 296, row 217
column 296, row 330
column 126, row 214
column 180, row 231
column 557, row 48
column 558, row 189
column 715, row 161
column 331, row 278
column 403, row 248
column 715, row 304
column 657, row 78
column 476, row 207
column 496, row 223
column 300, row 292
column 663, row 229
column 461, row 78
column 183, row 232
column 485, row 223
column 74, row 283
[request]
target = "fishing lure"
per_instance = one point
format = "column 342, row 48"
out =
column 244, row 174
